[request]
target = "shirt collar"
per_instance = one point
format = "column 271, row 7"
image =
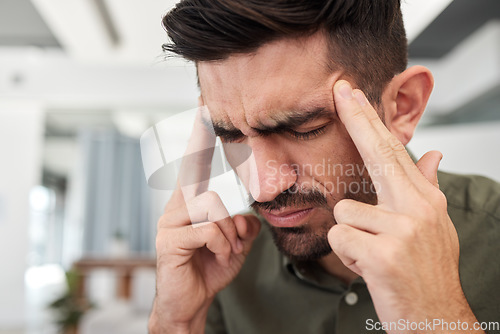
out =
column 312, row 273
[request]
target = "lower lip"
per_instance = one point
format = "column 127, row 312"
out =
column 292, row 220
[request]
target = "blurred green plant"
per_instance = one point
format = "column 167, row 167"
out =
column 70, row 307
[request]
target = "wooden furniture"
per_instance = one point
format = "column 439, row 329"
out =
column 122, row 266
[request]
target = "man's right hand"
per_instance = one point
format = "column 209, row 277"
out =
column 200, row 248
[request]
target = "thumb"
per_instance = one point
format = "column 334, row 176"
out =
column 247, row 227
column 428, row 166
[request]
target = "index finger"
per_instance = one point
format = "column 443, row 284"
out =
column 379, row 149
column 174, row 157
column 196, row 165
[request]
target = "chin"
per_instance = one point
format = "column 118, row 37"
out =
column 302, row 243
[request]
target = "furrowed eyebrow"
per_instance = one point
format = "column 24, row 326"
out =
column 295, row 119
column 287, row 122
column 227, row 134
column 220, row 129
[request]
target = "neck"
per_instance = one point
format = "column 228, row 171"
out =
column 333, row 266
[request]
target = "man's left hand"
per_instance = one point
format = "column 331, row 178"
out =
column 405, row 247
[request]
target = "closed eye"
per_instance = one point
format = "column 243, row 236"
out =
column 229, row 136
column 236, row 136
column 309, row 134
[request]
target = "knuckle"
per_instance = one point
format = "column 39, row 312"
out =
column 428, row 210
column 341, row 209
column 383, row 149
column 357, row 114
column 163, row 222
column 216, row 238
column 212, row 231
column 339, row 230
column 211, row 197
column 216, row 210
column 227, row 226
column 395, row 144
column 338, row 235
column 162, row 243
column 373, row 117
column 333, row 234
column 439, row 198
column 410, row 228
column 227, row 250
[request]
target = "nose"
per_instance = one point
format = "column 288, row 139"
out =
column 270, row 172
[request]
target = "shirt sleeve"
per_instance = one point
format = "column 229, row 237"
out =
column 215, row 320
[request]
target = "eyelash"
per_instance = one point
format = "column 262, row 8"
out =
column 297, row 135
column 308, row 135
column 231, row 139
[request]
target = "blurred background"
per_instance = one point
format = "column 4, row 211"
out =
column 81, row 80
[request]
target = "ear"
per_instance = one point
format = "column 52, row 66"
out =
column 405, row 99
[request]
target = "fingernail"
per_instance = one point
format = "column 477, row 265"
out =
column 360, row 97
column 345, row 91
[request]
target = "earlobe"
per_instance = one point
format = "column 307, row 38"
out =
column 411, row 90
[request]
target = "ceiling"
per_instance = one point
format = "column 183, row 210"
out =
column 130, row 31
column 458, row 21
column 22, row 25
column 107, row 31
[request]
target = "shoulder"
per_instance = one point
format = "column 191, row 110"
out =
column 472, row 193
column 474, row 208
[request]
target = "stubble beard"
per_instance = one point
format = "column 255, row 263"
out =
column 309, row 242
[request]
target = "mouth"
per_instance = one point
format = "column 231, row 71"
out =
column 289, row 217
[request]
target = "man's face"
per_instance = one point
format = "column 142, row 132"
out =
column 279, row 102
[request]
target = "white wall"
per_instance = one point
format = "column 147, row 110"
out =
column 21, row 137
column 469, row 71
column 467, row 149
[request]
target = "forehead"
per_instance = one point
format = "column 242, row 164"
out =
column 283, row 75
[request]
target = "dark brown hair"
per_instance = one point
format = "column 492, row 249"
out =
column 366, row 37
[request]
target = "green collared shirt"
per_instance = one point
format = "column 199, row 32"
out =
column 271, row 295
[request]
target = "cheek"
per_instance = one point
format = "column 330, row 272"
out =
column 323, row 158
column 341, row 147
column 334, row 159
column 242, row 161
column 346, row 149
